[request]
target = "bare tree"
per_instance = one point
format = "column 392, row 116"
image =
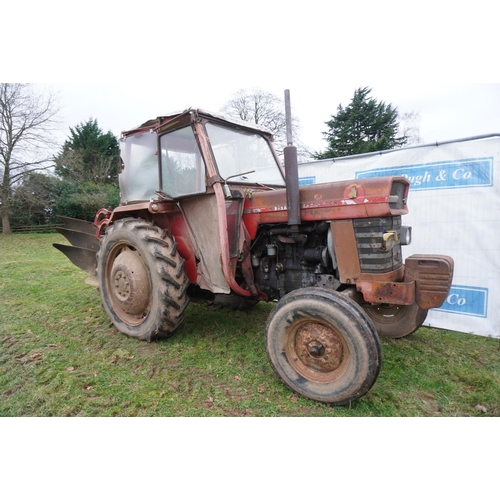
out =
column 409, row 127
column 266, row 110
column 27, row 119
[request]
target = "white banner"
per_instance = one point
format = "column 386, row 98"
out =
column 454, row 209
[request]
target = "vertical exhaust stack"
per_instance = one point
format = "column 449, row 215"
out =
column 291, row 169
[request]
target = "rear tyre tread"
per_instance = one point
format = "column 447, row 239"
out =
column 157, row 240
column 169, row 261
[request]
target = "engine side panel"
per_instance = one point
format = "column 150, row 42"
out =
column 364, row 198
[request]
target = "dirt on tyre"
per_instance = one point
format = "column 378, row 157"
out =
column 394, row 321
column 141, row 279
column 323, row 346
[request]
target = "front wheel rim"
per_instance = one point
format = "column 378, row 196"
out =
column 317, row 351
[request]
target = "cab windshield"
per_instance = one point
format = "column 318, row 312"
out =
column 245, row 157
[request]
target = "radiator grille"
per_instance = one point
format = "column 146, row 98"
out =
column 375, row 255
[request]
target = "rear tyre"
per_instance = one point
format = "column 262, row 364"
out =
column 323, row 346
column 393, row 321
column 141, row 279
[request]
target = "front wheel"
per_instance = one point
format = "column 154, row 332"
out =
column 323, row 346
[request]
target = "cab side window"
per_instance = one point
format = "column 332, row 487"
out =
column 182, row 166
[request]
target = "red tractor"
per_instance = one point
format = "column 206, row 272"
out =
column 208, row 213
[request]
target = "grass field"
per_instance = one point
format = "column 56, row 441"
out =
column 60, row 356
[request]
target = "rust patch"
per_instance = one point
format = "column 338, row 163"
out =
column 346, row 250
column 387, row 292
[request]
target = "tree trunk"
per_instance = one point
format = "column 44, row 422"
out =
column 5, row 203
column 5, row 224
column 5, row 207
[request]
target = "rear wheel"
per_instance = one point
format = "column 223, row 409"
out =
column 393, row 321
column 141, row 279
column 323, row 346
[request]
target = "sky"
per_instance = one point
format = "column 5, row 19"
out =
column 124, row 63
column 447, row 111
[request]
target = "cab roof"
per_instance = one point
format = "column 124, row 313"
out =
column 190, row 115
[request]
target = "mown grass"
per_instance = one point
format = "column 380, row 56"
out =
column 60, row 356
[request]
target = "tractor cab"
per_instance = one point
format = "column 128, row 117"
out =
column 204, row 167
column 184, row 154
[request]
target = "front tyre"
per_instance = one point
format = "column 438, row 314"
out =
column 323, row 346
column 141, row 279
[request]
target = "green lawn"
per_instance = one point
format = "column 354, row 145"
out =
column 60, row 356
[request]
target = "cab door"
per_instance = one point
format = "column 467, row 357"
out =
column 183, row 178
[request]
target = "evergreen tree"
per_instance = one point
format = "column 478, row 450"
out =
column 82, row 200
column 89, row 155
column 364, row 126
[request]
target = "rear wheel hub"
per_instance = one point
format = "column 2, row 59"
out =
column 129, row 282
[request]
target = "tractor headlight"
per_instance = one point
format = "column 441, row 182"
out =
column 405, row 237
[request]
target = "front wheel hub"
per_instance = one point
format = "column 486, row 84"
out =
column 315, row 348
